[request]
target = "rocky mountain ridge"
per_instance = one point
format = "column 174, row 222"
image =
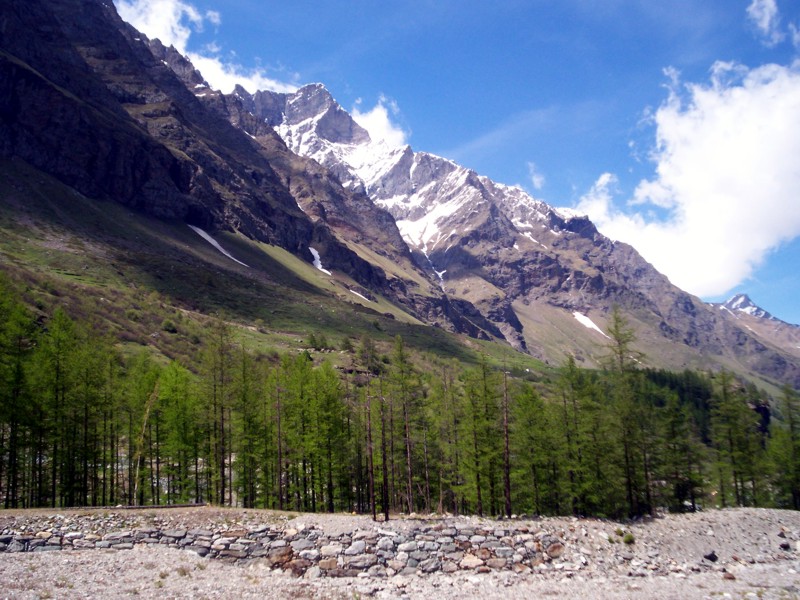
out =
column 743, row 304
column 89, row 100
column 761, row 323
column 546, row 278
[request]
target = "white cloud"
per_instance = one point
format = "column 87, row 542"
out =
column 598, row 202
column 224, row 76
column 537, row 179
column 794, row 31
column 378, row 122
column 214, row 17
column 764, row 15
column 727, row 179
column 173, row 21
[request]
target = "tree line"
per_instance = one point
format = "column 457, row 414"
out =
column 84, row 423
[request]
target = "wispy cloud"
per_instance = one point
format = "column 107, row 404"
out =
column 536, row 177
column 174, row 21
column 495, row 139
column 763, row 14
column 794, row 31
column 726, row 177
column 379, row 121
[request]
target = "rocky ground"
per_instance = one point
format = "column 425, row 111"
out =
column 741, row 553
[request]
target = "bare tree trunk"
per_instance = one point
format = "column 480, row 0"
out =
column 409, row 480
column 280, row 445
column 384, row 465
column 477, row 463
column 506, row 452
column 370, row 461
column 140, row 446
column 427, row 474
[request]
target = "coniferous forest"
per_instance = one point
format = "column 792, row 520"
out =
column 85, row 423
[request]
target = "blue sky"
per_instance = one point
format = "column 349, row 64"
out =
column 674, row 125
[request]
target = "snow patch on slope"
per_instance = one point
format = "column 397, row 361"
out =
column 216, row 245
column 587, row 322
column 318, row 261
column 528, row 235
column 359, row 295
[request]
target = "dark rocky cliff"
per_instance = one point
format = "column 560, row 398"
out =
column 88, row 99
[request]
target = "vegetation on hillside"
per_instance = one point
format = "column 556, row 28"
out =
column 82, row 423
column 387, row 429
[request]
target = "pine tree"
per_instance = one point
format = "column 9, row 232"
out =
column 484, row 432
column 737, row 441
column 445, row 415
column 181, row 420
column 506, row 408
column 369, row 363
column 329, row 448
column 217, row 376
column 16, row 342
column 784, row 450
column 90, row 358
column 625, row 391
column 295, row 428
column 140, row 397
column 683, row 455
column 569, row 388
column 533, row 444
column 246, row 428
column 54, row 380
column 406, row 390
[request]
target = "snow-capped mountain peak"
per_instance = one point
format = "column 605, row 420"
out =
column 312, row 108
column 432, row 198
column 743, row 304
column 522, row 264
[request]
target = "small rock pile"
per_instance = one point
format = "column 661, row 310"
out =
column 308, row 551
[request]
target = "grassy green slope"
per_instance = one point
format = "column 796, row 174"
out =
column 155, row 283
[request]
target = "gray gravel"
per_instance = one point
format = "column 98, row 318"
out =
column 740, row 553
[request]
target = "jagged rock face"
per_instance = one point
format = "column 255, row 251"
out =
column 94, row 107
column 518, row 259
column 349, row 213
column 743, row 304
column 90, row 100
column 59, row 116
column 179, row 64
column 312, row 112
column 770, row 330
column 315, row 106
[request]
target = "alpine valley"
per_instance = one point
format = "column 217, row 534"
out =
column 121, row 169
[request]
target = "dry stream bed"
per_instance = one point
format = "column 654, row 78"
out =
column 207, row 552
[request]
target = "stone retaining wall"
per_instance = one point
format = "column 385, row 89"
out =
column 308, row 551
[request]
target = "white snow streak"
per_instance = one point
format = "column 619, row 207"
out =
column 317, row 261
column 528, row 235
column 587, row 322
column 359, row 295
column 216, row 245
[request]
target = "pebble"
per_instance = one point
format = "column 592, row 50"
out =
column 415, row 549
column 301, row 550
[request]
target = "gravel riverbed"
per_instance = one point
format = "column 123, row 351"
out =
column 735, row 553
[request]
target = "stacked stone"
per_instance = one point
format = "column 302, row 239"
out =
column 445, row 547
